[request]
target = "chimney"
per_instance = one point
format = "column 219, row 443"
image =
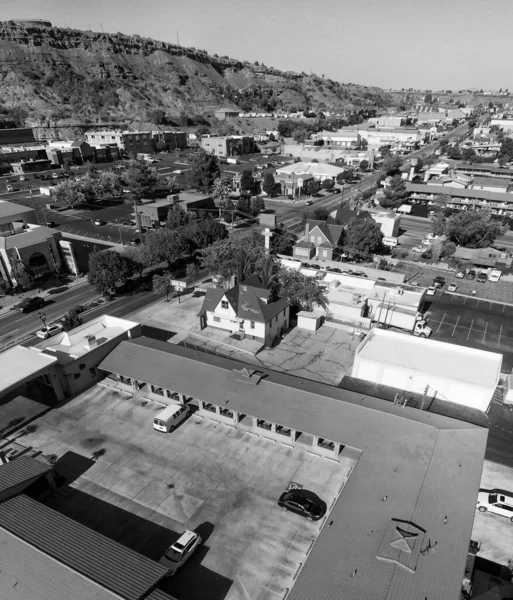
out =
column 307, row 228
column 91, row 342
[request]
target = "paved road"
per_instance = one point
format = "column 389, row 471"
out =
column 16, row 325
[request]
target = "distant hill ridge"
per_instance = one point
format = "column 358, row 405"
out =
column 59, row 74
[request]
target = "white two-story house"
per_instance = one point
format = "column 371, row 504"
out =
column 245, row 309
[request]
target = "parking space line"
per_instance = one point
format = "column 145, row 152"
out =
column 456, row 325
column 500, row 333
column 470, row 329
column 441, row 323
column 484, row 334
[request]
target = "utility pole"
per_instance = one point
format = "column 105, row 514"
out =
column 177, row 39
column 424, row 397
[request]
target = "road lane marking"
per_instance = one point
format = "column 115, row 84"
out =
column 441, row 323
column 500, row 333
column 456, row 325
column 9, row 334
column 470, row 329
column 484, row 334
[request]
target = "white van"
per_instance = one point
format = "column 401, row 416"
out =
column 170, row 417
column 495, row 275
column 500, row 503
column 391, row 242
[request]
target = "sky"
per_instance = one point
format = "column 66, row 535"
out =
column 435, row 44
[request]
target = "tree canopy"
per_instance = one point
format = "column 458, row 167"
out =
column 391, row 165
column 473, row 229
column 108, row 268
column 304, row 293
column 364, row 235
column 204, row 171
column 247, row 183
column 269, row 184
column 69, row 193
column 396, row 193
column 141, row 178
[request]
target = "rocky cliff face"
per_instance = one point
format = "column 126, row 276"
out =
column 59, row 74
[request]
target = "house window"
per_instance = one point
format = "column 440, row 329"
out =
column 319, row 239
column 252, row 325
column 312, row 239
column 224, row 304
column 217, row 320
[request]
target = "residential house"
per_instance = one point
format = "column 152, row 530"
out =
column 247, row 310
column 228, row 145
column 320, row 240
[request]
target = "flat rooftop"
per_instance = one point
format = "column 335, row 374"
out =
column 20, row 364
column 9, row 209
column 415, row 468
column 69, row 345
column 451, row 361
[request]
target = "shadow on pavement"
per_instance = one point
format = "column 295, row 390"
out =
column 157, row 333
column 71, row 466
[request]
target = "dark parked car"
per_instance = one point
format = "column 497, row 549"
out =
column 482, row 278
column 304, row 503
column 335, row 191
column 471, row 274
column 335, row 270
column 29, row 304
column 439, row 281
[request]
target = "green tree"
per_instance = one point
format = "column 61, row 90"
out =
column 364, row 235
column 364, row 164
column 473, row 229
column 395, row 194
column 244, row 205
column 69, row 193
column 328, row 184
column 468, row 154
column 192, row 271
column 141, row 178
column 257, row 206
column 177, row 217
column 506, row 150
column 299, row 135
column 171, row 183
column 221, row 194
column 247, row 183
column 166, row 245
column 162, row 285
column 66, row 166
column 391, row 165
column 109, row 183
column 346, row 175
column 454, row 152
column 108, row 268
column 229, row 257
column 304, row 293
column 72, row 318
column 139, row 258
column 202, row 233
column 357, row 202
column 269, row 184
column 204, row 171
column 157, row 116
column 22, row 274
column 282, row 240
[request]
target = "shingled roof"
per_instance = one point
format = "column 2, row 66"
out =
column 248, row 300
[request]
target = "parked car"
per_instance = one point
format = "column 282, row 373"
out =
column 335, row 270
column 439, row 281
column 360, row 274
column 418, row 249
column 49, row 331
column 471, row 274
column 9, row 188
column 99, row 222
column 482, row 277
column 452, row 287
column 335, row 191
column 22, row 177
column 179, row 553
column 431, row 291
column 307, row 203
column 495, row 275
column 500, row 504
column 55, row 175
column 460, row 274
column 29, row 304
column 304, row 503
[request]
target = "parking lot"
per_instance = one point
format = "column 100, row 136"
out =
column 473, row 322
column 144, row 488
column 494, row 532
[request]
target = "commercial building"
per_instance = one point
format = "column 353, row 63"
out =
column 20, row 240
column 77, row 152
column 293, row 186
column 66, row 364
column 505, row 124
column 228, row 145
column 246, row 311
column 442, row 371
column 10, row 154
column 153, row 213
column 131, row 142
column 31, row 166
column 399, row 138
column 340, row 139
column 388, row 220
column 319, row 171
column 171, row 139
column 48, row 555
column 401, row 526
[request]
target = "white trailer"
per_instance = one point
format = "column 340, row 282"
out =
column 233, row 161
column 388, row 317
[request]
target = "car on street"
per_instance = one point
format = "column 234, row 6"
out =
column 471, row 274
column 49, row 331
column 360, row 274
column 9, row 188
column 99, row 222
column 303, row 503
column 22, row 178
column 460, row 274
column 335, row 270
column 29, row 304
column 177, row 171
column 452, row 287
column 335, row 191
column 431, row 291
column 179, row 553
column 307, row 203
column 439, row 281
column 55, row 175
column 418, row 249
column 482, row 277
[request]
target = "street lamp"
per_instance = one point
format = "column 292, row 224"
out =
column 42, row 316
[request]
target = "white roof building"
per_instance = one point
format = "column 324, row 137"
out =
column 317, row 170
column 448, row 372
